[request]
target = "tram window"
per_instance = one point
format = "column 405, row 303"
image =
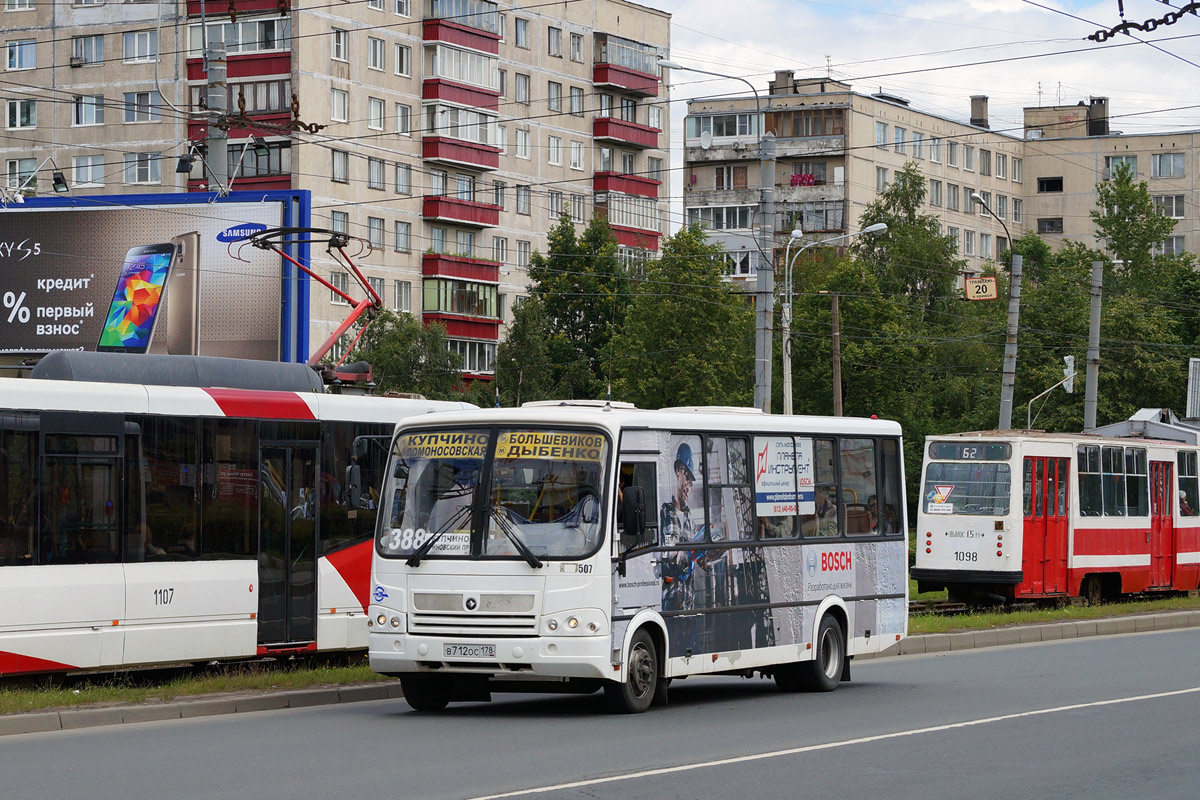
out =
column 1091, row 500
column 730, row 502
column 169, row 454
column 1137, row 482
column 18, row 492
column 823, row 518
column 1189, row 484
column 229, row 502
column 1027, row 501
column 341, row 524
column 1112, row 463
column 79, row 510
column 859, row 495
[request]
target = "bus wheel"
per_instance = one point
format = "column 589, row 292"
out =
column 1091, row 590
column 824, row 672
column 425, row 692
column 636, row 693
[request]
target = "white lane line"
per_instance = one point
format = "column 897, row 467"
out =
column 831, row 745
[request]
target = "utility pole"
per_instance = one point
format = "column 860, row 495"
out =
column 216, row 94
column 1009, row 379
column 765, row 301
column 1092, row 374
column 837, row 359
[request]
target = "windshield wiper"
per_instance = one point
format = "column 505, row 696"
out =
column 415, row 559
column 501, row 515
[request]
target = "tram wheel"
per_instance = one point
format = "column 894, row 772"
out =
column 425, row 692
column 1092, row 590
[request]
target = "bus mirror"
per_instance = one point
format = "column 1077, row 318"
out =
column 361, row 445
column 633, row 516
column 353, row 486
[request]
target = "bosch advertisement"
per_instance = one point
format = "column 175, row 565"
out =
column 169, row 274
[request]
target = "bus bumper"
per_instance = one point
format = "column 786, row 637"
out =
column 533, row 657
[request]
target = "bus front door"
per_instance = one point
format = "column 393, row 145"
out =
column 1044, row 545
column 287, row 538
column 1162, row 534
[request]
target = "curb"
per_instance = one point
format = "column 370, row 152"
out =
column 76, row 718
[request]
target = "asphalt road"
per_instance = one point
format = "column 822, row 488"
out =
column 1103, row 717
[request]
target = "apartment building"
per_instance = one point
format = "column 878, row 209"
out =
column 1069, row 149
column 451, row 134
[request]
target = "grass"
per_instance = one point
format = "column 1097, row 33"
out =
column 163, row 686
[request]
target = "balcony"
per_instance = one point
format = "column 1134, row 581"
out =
column 460, row 93
column 635, row 237
column 445, row 265
column 625, row 79
column 625, row 64
column 459, row 153
column 810, row 146
column 444, row 208
column 800, row 193
column 625, row 184
column 460, row 35
column 626, row 134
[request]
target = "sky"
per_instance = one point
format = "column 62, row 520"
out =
column 937, row 53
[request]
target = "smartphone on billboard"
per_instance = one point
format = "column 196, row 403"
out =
column 183, row 297
column 129, row 324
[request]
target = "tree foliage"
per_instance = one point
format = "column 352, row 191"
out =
column 407, row 356
column 1127, row 223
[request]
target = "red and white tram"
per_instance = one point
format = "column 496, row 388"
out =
column 1009, row 515
column 146, row 524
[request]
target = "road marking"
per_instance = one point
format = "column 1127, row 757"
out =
column 831, row 745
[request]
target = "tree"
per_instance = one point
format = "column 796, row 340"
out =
column 1128, row 225
column 524, row 370
column 688, row 337
column 407, row 356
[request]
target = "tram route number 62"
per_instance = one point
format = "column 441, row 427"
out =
column 163, row 597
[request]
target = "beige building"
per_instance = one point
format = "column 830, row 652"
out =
column 452, row 134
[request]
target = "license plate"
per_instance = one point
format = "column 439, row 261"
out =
column 468, row 651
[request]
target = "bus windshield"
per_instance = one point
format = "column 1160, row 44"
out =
column 957, row 488
column 543, row 499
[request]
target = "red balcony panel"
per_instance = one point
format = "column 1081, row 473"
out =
column 243, row 7
column 265, row 183
column 460, row 153
column 443, row 30
column 463, row 212
column 441, row 265
column 462, row 327
column 439, row 89
column 635, row 237
column 630, row 134
column 632, row 81
column 249, row 65
column 625, row 184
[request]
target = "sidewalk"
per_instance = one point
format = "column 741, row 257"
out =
column 208, row 705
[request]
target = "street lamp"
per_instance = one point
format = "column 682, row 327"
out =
column 764, row 243
column 1008, row 378
column 789, row 261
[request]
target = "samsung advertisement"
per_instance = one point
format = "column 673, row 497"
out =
column 175, row 275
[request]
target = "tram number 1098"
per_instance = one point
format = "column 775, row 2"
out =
column 964, row 555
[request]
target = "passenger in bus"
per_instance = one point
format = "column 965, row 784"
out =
column 825, row 521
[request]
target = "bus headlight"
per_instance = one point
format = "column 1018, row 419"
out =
column 381, row 620
column 582, row 622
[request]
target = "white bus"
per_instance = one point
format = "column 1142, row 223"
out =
column 149, row 524
column 576, row 546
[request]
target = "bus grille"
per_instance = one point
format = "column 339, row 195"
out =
column 495, row 615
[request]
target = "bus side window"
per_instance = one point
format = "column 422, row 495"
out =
column 643, row 475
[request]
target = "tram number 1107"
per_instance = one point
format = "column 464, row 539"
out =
column 163, row 597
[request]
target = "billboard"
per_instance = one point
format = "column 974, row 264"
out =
column 167, row 274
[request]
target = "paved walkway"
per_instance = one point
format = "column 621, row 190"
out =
column 208, row 705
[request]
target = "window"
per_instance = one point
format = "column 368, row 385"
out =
column 951, row 154
column 629, row 163
column 403, row 232
column 554, row 151
column 340, row 105
column 918, row 145
column 476, row 356
column 22, row 114
column 1050, row 225
column 554, row 96
column 339, row 221
column 375, row 233
column 577, row 101
column 654, row 117
column 986, row 204
column 375, row 4
column 87, row 50
column 522, row 89
column 375, row 113
column 374, row 173
column 465, row 243
column 606, row 107
column 340, row 281
column 524, row 250
column 985, row 162
column 654, row 168
column 463, row 66
column 401, row 8
column 143, row 168
column 402, row 296
column 554, row 41
column 576, row 155
column 89, row 170
column 403, row 114
column 1018, row 169
column 1017, row 203
column 340, row 44
column 952, row 196
column 403, row 179
column 437, row 182
column 1050, row 184
column 250, row 36
column 500, row 194
column 499, row 249
column 464, row 186
column 1111, row 162
column 521, row 32
column 578, row 208
column 881, row 179
column 403, row 59
column 721, row 217
column 968, row 153
column 523, row 200
column 1001, row 165
column 141, row 46
column 1001, row 206
column 953, row 233
column 555, row 203
column 18, row 5
column 502, row 138
column 1189, row 485
column 1169, row 205
column 823, row 518
column 22, row 54
column 437, row 240
column 504, row 83
column 142, row 107
column 935, row 150
column 340, row 170
column 606, row 159
column 935, row 192
column 1167, row 165
column 901, row 139
column 985, row 245
column 881, row 135
column 730, row 176
column 522, row 143
column 375, row 57
column 1171, row 246
column 577, row 47
column 968, row 243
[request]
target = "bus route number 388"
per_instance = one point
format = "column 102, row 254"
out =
column 406, row 539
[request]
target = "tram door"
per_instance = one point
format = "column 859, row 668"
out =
column 1044, row 547
column 287, row 538
column 1162, row 535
